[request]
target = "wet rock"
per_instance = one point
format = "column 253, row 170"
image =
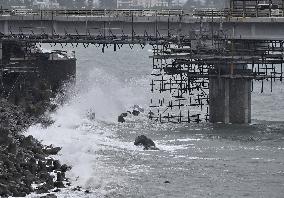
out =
column 4, row 137
column 37, row 150
column 148, row 144
column 138, row 108
column 78, row 188
column 19, row 194
column 135, row 113
column 56, row 165
column 49, row 196
column 44, row 188
column 151, row 115
column 52, row 150
column 27, row 142
column 46, row 177
column 59, row 184
column 3, row 190
column 23, row 159
column 121, row 119
column 49, row 162
column 57, row 190
column 60, row 176
column 64, row 168
column 124, row 115
column 46, row 121
column 41, row 166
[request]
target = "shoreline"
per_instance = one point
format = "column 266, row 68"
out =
column 26, row 166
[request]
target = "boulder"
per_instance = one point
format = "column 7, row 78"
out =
column 121, row 118
column 59, row 184
column 52, row 150
column 135, row 113
column 151, row 115
column 44, row 188
column 49, row 196
column 64, row 168
column 148, row 144
column 140, row 109
column 56, row 165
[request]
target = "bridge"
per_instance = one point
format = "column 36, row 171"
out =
column 133, row 26
column 199, row 57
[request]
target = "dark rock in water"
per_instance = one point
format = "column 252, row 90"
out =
column 124, row 115
column 167, row 182
column 78, row 188
column 46, row 121
column 148, row 144
column 87, row 191
column 138, row 108
column 135, row 113
column 151, row 115
column 121, row 119
column 91, row 115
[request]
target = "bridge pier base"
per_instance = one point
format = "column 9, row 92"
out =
column 230, row 100
column 1, row 65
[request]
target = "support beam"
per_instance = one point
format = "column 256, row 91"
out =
column 230, row 100
column 1, row 65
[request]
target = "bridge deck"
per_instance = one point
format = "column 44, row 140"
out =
column 135, row 26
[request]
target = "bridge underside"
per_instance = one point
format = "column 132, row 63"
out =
column 203, row 67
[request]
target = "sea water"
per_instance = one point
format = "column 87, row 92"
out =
column 194, row 160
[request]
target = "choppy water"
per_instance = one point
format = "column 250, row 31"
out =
column 199, row 160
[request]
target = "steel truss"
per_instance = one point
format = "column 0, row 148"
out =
column 182, row 73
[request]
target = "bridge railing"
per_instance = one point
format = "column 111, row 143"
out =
column 248, row 12
column 96, row 12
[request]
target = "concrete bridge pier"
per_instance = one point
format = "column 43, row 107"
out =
column 230, row 99
column 1, row 64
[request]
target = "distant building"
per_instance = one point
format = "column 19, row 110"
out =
column 108, row 4
column 144, row 3
column 46, row 4
column 125, row 3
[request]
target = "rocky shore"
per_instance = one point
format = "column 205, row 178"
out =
column 26, row 165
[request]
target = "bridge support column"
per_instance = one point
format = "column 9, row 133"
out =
column 1, row 66
column 230, row 100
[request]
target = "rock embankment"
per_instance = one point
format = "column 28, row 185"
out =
column 25, row 164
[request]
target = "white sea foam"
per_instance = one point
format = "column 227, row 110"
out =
column 82, row 137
